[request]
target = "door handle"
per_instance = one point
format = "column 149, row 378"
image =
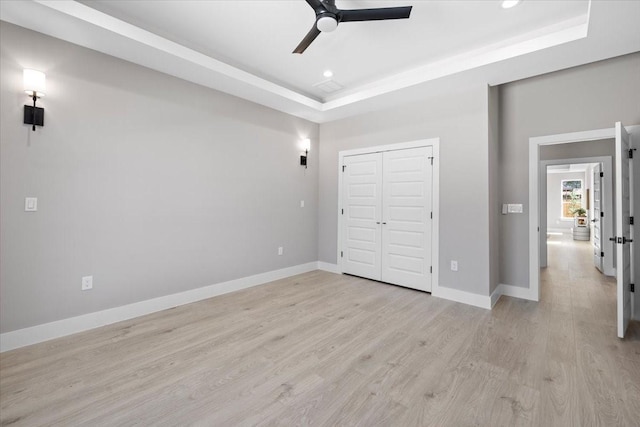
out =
column 594, row 220
column 613, row 239
column 377, row 222
column 384, row 223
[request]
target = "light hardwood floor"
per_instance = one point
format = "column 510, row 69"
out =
column 325, row 349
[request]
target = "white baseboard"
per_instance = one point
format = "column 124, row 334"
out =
column 495, row 296
column 462, row 296
column 516, row 292
column 39, row 333
column 331, row 268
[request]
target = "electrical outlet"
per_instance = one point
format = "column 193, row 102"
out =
column 31, row 204
column 454, row 265
column 280, row 250
column 87, row 283
column 302, row 203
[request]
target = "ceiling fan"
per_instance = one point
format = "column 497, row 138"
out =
column 328, row 16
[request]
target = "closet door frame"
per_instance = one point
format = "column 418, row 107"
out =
column 431, row 142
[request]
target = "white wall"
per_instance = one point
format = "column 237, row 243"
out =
column 554, row 200
column 151, row 184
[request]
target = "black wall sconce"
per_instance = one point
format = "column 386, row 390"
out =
column 306, row 146
column 34, row 86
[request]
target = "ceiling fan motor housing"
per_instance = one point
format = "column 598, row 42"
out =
column 327, row 22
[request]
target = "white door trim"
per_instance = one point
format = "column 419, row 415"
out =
column 534, row 202
column 431, row 142
column 607, row 162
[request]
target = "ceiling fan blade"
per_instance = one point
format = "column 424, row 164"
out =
column 378, row 14
column 306, row 41
column 315, row 4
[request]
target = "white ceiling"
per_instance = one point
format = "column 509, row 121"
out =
column 244, row 47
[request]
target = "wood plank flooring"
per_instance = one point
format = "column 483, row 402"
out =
column 325, row 349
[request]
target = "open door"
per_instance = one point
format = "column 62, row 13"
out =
column 623, row 229
column 597, row 218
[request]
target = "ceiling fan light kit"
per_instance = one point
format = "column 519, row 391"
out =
column 328, row 16
column 508, row 4
column 326, row 24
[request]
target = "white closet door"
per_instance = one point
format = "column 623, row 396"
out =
column 406, row 216
column 361, row 201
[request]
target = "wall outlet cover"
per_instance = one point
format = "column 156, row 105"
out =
column 515, row 208
column 87, row 283
column 31, row 204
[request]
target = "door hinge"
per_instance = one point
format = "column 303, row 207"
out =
column 431, row 158
column 344, row 167
column 601, row 174
column 342, row 211
column 431, row 215
column 631, row 153
column 630, row 220
column 341, row 254
column 602, row 254
column 431, row 269
column 632, row 287
column 601, row 214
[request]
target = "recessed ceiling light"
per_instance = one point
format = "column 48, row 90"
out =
column 508, row 4
column 328, row 73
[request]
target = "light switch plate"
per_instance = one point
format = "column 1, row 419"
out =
column 302, row 203
column 515, row 208
column 31, row 204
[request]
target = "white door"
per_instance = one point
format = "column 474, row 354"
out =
column 597, row 218
column 361, row 205
column 623, row 229
column 406, row 217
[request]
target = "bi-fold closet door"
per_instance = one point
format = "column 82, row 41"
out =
column 386, row 215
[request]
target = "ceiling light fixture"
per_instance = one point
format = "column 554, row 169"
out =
column 328, row 74
column 508, row 4
column 327, row 23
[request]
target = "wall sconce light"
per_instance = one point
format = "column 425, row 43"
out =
column 306, row 146
column 34, row 86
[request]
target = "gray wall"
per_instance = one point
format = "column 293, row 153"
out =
column 594, row 96
column 554, row 196
column 460, row 120
column 151, row 184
